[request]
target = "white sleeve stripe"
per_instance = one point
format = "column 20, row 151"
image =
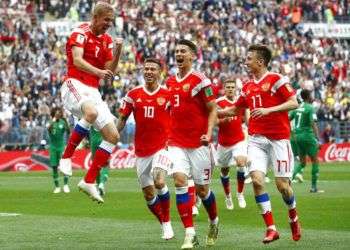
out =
column 200, row 75
column 279, row 83
column 204, row 83
column 128, row 99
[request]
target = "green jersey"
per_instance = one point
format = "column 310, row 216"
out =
column 56, row 133
column 303, row 119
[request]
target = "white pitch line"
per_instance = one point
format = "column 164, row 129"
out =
column 8, row 214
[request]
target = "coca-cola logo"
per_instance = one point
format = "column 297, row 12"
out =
column 22, row 167
column 337, row 152
column 121, row 158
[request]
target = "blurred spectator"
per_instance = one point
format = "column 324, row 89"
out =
column 328, row 135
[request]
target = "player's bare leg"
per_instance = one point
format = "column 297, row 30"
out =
column 241, row 167
column 159, row 176
column 80, row 131
column 284, row 187
column 263, row 201
column 208, row 200
column 225, row 181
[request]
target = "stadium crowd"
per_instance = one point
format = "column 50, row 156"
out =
column 32, row 60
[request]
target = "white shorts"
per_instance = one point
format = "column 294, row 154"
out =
column 198, row 163
column 262, row 152
column 146, row 165
column 226, row 155
column 74, row 94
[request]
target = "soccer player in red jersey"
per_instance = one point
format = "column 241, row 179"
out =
column 268, row 96
column 90, row 58
column 150, row 106
column 192, row 118
column 232, row 148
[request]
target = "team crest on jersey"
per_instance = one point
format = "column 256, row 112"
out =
column 160, row 101
column 265, row 86
column 289, row 88
column 186, row 87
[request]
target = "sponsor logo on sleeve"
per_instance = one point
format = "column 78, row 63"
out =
column 208, row 92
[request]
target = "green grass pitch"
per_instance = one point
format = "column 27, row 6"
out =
column 72, row 221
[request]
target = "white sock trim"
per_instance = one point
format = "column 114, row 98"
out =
column 84, row 123
column 162, row 191
column 109, row 147
column 181, row 190
column 151, row 202
column 207, row 196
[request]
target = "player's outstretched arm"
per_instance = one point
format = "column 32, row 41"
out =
column 290, row 104
column 83, row 65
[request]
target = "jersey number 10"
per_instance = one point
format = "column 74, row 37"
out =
column 149, row 111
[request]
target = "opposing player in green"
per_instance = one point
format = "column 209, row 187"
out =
column 57, row 128
column 95, row 138
column 306, row 138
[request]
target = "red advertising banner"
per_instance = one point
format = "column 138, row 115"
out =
column 335, row 152
column 39, row 160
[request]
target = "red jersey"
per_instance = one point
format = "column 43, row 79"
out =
column 271, row 90
column 189, row 114
column 230, row 132
column 151, row 117
column 97, row 51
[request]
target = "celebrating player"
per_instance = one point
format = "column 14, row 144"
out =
column 90, row 58
column 268, row 96
column 149, row 105
column 193, row 116
column 57, row 128
column 306, row 138
column 232, row 149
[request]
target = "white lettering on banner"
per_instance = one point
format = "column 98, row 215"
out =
column 121, row 158
column 337, row 153
column 341, row 30
column 22, row 167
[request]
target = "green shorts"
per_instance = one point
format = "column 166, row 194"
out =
column 55, row 156
column 95, row 140
column 307, row 145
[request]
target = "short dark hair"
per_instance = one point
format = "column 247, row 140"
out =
column 262, row 51
column 305, row 94
column 229, row 80
column 189, row 44
column 153, row 60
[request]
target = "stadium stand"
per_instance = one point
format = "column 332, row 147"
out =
column 32, row 56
